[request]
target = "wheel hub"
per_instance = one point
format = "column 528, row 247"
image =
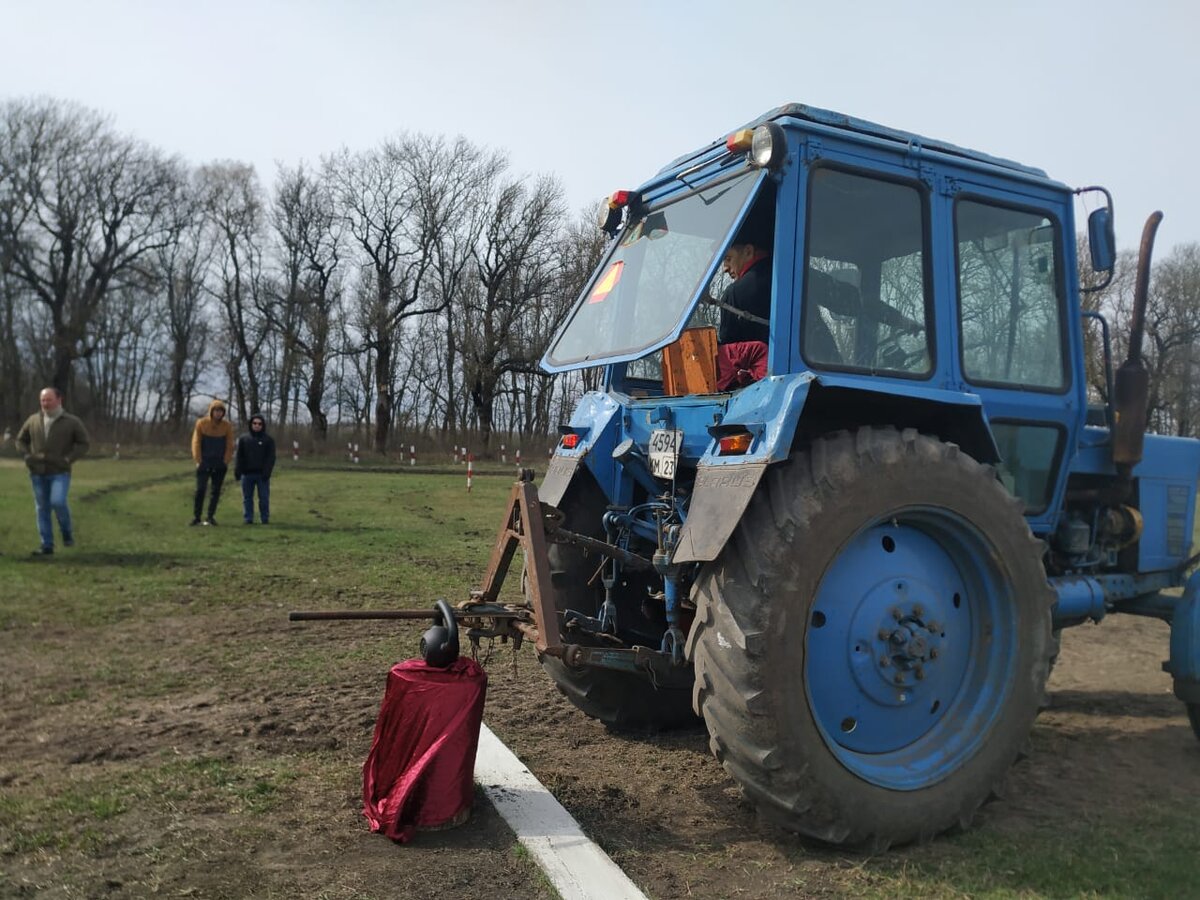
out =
column 888, row 641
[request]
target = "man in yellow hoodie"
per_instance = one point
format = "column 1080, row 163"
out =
column 212, row 448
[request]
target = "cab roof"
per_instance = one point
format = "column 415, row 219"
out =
column 838, row 120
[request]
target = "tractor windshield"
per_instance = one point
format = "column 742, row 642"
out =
column 645, row 288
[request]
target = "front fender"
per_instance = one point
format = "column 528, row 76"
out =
column 776, row 409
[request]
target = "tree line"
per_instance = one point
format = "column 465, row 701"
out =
column 405, row 290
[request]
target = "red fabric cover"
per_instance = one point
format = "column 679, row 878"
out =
column 420, row 771
column 740, row 363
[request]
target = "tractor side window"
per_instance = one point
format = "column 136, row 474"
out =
column 1027, row 461
column 865, row 286
column 1011, row 321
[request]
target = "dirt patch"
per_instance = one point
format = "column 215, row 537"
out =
column 229, row 777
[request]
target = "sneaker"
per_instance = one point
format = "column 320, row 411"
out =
column 194, row 522
column 43, row 551
column 247, row 521
column 210, row 521
column 68, row 540
column 264, row 522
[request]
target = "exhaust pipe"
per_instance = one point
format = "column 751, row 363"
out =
column 1133, row 377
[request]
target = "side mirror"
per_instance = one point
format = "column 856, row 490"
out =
column 1102, row 239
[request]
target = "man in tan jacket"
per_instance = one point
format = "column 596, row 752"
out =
column 51, row 440
column 212, row 449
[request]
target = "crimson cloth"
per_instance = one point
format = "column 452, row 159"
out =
column 420, row 771
column 740, row 363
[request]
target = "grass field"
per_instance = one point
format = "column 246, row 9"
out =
column 166, row 731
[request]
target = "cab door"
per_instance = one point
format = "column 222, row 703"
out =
column 1014, row 277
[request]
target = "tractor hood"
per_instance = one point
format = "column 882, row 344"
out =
column 659, row 264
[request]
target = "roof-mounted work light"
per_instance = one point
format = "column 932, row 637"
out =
column 610, row 215
column 765, row 145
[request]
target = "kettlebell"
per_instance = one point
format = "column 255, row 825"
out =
column 439, row 645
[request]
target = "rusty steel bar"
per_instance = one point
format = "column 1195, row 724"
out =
column 488, row 611
column 537, row 568
column 360, row 614
column 629, row 560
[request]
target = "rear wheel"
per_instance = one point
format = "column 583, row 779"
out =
column 873, row 642
column 1193, row 710
column 621, row 700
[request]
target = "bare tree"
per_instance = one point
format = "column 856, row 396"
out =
column 516, row 269
column 311, row 244
column 233, row 207
column 81, row 207
column 181, row 271
column 396, row 203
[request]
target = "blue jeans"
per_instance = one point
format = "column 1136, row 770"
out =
column 50, row 493
column 249, row 484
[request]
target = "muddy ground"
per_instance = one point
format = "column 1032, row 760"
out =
column 1114, row 739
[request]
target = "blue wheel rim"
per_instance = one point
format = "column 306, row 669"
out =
column 910, row 648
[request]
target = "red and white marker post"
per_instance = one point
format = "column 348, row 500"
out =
column 470, row 470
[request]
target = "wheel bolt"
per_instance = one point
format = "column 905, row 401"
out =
column 934, row 626
column 897, row 614
column 933, row 652
column 898, row 678
column 884, row 634
column 920, row 673
column 918, row 610
column 885, row 661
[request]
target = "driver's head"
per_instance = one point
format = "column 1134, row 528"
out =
column 752, row 242
column 740, row 255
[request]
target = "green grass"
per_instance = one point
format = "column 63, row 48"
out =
column 1150, row 854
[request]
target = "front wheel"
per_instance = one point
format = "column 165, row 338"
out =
column 873, row 643
column 623, row 701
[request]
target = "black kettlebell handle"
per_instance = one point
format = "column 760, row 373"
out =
column 449, row 621
column 439, row 645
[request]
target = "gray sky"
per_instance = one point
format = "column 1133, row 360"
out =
column 603, row 93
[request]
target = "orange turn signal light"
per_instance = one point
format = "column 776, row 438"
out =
column 739, row 141
column 570, row 441
column 733, row 444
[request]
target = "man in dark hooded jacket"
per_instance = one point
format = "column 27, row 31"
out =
column 253, row 463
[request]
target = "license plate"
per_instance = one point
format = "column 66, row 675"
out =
column 664, row 452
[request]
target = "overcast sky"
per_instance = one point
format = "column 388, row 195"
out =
column 604, row 93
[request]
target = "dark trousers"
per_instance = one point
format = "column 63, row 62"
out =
column 251, row 482
column 206, row 472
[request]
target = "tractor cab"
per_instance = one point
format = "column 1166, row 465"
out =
column 909, row 283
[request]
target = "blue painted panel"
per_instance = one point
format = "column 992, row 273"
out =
column 1166, row 479
column 1185, row 643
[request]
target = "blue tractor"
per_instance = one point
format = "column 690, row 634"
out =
column 850, row 545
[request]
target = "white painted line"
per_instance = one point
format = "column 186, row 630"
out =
column 578, row 869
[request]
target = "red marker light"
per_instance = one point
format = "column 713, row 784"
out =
column 570, row 441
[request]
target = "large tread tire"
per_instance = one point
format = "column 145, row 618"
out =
column 1193, row 711
column 623, row 701
column 753, row 623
